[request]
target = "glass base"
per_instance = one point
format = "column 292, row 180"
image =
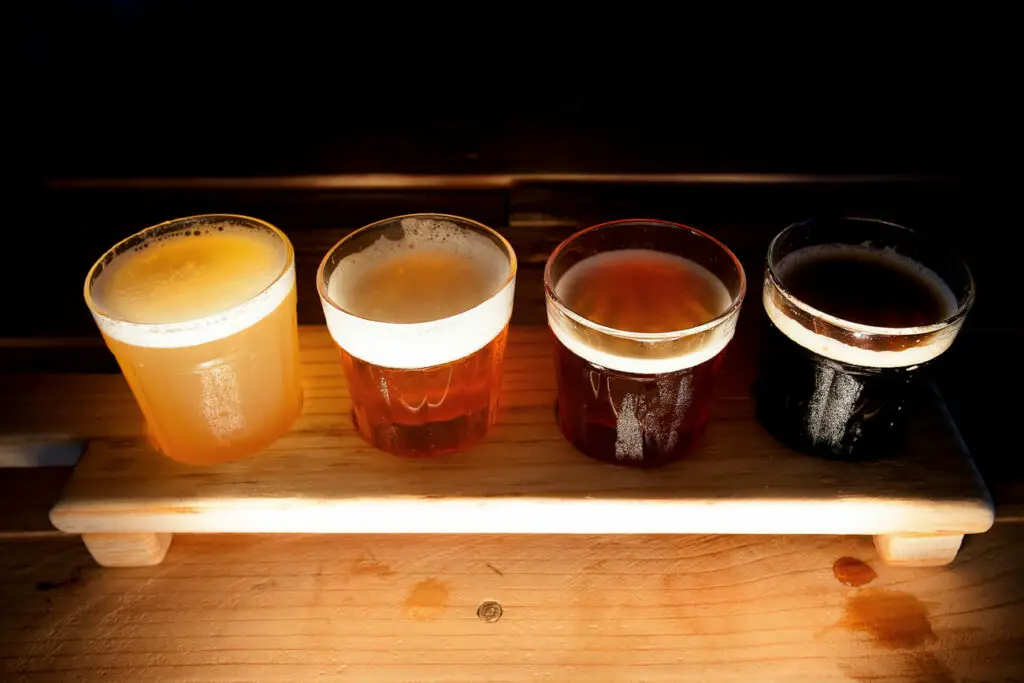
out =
column 426, row 440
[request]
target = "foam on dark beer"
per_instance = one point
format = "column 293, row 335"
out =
column 929, row 341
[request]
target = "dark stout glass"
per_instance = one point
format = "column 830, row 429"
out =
column 641, row 312
column 821, row 406
column 858, row 310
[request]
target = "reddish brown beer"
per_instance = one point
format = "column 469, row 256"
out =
column 639, row 333
column 418, row 307
column 642, row 290
column 662, row 417
column 435, row 410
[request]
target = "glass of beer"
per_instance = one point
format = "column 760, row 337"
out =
column 200, row 314
column 858, row 310
column 418, row 307
column 641, row 311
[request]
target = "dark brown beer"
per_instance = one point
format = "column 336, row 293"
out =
column 854, row 326
column 822, row 406
column 639, row 411
column 866, row 286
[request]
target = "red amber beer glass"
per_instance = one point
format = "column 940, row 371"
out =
column 200, row 314
column 641, row 311
column 418, row 307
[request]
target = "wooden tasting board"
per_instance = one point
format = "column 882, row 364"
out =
column 127, row 500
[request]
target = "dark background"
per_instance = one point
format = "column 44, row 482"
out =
column 538, row 120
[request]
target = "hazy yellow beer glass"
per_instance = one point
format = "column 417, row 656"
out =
column 200, row 314
column 418, row 307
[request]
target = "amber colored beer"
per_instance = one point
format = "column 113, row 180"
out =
column 418, row 307
column 642, row 290
column 200, row 314
column 639, row 333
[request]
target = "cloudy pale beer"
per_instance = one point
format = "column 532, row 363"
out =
column 200, row 314
column 858, row 310
column 641, row 312
column 418, row 307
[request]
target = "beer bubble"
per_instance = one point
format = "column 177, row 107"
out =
column 423, row 293
column 792, row 317
column 606, row 349
column 188, row 292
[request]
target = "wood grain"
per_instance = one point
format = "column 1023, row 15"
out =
column 472, row 181
column 525, row 478
column 634, row 609
column 914, row 550
column 128, row 550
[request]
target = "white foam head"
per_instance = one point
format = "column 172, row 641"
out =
column 940, row 337
column 412, row 345
column 577, row 333
column 131, row 309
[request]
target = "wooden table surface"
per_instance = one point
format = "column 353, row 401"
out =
column 579, row 608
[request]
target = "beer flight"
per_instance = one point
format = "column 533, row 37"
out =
column 200, row 313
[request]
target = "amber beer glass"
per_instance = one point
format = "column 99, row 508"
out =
column 641, row 312
column 859, row 309
column 418, row 307
column 200, row 314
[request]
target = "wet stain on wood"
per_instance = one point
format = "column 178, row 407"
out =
column 892, row 619
column 427, row 599
column 853, row 572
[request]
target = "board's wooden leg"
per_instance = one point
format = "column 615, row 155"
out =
column 128, row 550
column 918, row 550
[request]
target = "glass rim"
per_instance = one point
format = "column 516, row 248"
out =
column 513, row 264
column 289, row 263
column 564, row 308
column 958, row 314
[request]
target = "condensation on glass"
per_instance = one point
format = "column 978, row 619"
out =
column 858, row 310
column 640, row 312
column 200, row 313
